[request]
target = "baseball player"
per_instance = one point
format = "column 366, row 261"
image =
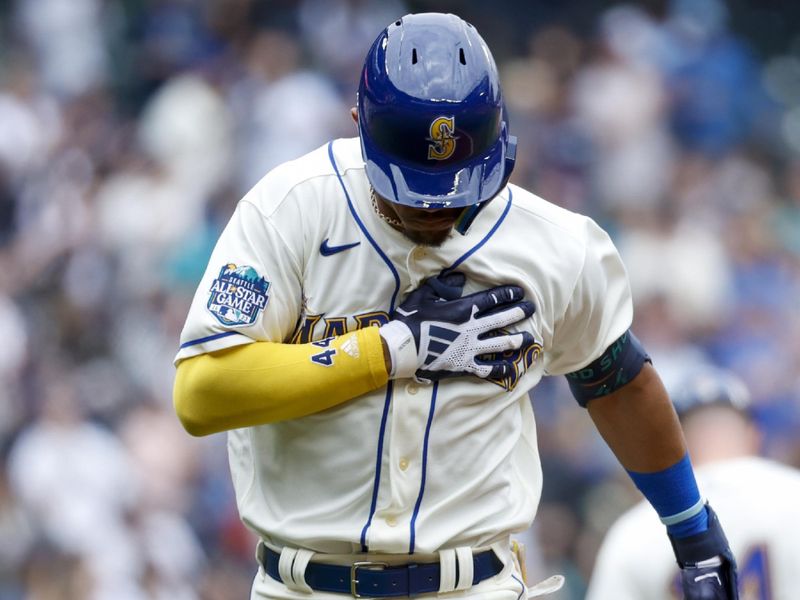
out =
column 755, row 496
column 368, row 329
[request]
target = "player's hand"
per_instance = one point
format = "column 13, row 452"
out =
column 708, row 568
column 436, row 333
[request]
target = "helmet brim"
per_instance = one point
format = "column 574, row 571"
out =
column 462, row 185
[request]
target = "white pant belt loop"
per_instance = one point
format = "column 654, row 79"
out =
column 301, row 560
column 465, row 567
column 447, row 573
column 293, row 578
column 285, row 565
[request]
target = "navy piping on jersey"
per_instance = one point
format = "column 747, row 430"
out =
column 449, row 269
column 424, row 468
column 378, row 460
column 514, row 577
column 485, row 238
column 389, row 386
column 363, row 229
column 389, row 391
column 209, row 338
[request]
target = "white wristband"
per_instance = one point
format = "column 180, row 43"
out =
column 714, row 561
column 402, row 349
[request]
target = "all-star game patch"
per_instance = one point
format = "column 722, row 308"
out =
column 237, row 295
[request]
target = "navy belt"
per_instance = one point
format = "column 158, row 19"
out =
column 379, row 580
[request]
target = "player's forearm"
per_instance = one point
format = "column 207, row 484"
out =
column 639, row 424
column 265, row 382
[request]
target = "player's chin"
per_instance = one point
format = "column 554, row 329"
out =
column 428, row 236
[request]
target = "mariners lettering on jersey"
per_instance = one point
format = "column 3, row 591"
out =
column 523, row 358
column 443, row 138
column 238, row 295
column 315, row 327
column 308, row 330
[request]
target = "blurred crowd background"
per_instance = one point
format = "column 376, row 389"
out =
column 129, row 129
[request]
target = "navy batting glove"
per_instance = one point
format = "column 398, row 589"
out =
column 435, row 333
column 708, row 568
column 448, row 286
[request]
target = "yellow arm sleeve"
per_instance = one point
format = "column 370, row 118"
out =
column 265, row 382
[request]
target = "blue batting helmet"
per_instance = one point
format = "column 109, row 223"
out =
column 431, row 116
column 710, row 387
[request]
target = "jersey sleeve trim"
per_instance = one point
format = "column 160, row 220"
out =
column 211, row 343
column 208, row 338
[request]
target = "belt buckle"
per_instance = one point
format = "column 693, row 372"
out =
column 367, row 564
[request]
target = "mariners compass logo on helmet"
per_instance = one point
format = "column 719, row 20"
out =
column 443, row 138
column 237, row 295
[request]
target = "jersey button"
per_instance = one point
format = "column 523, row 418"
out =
column 412, row 388
column 391, row 521
column 403, row 464
column 418, row 253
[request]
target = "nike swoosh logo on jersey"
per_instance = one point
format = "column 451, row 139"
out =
column 327, row 250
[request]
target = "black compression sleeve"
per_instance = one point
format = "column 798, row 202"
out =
column 618, row 365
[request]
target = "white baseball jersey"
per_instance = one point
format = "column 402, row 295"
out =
column 408, row 467
column 756, row 500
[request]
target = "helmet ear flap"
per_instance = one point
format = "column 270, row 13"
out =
column 511, row 154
